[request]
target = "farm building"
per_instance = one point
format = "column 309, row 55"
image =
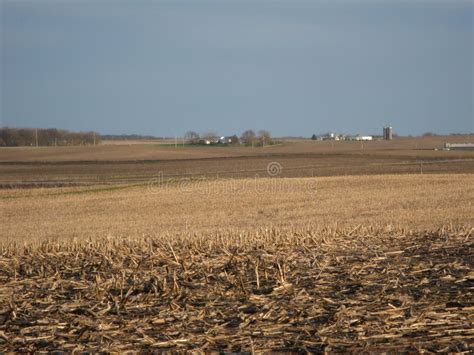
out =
column 331, row 137
column 225, row 140
column 364, row 138
column 388, row 133
column 360, row 138
column 459, row 146
column 222, row 140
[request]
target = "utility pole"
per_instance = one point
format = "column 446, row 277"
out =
column 175, row 142
column 36, row 136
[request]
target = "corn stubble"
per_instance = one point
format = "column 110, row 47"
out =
column 360, row 289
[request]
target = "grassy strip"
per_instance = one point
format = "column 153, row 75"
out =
column 171, row 181
column 76, row 192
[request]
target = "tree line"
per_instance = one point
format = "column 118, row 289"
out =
column 247, row 138
column 131, row 137
column 16, row 137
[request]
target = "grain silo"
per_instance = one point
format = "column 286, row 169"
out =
column 388, row 133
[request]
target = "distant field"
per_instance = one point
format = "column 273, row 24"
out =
column 156, row 150
column 119, row 164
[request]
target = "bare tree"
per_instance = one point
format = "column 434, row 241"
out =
column 248, row 137
column 264, row 137
column 210, row 136
column 234, row 140
column 45, row 137
column 191, row 137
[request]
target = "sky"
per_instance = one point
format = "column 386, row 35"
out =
column 292, row 67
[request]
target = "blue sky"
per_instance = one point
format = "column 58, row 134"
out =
column 292, row 67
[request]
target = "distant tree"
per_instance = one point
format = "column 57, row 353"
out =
column 27, row 137
column 264, row 137
column 130, row 137
column 9, row 136
column 210, row 136
column 191, row 137
column 248, row 137
column 234, row 139
column 314, row 137
column 428, row 134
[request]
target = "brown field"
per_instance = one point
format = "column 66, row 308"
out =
column 155, row 248
column 165, row 150
column 364, row 290
column 119, row 164
column 419, row 202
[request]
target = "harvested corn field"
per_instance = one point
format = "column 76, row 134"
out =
column 280, row 290
column 416, row 202
column 321, row 264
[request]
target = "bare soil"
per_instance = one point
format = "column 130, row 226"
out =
column 119, row 164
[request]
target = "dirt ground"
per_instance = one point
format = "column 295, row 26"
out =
column 118, row 164
column 159, row 150
column 359, row 290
